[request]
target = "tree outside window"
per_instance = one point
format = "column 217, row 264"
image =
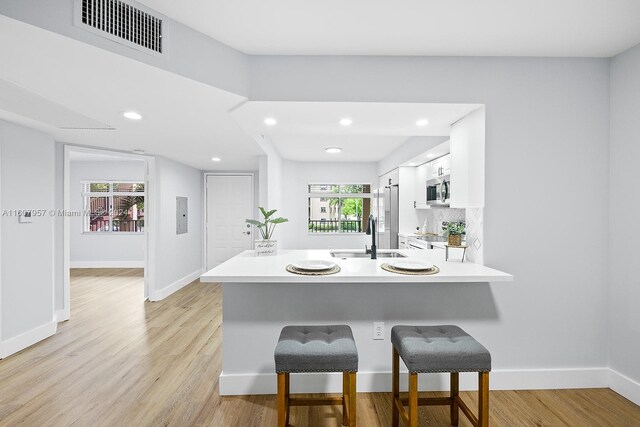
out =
column 113, row 207
column 344, row 208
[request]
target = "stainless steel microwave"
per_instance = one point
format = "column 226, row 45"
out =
column 439, row 191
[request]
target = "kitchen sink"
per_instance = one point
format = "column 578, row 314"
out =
column 380, row 254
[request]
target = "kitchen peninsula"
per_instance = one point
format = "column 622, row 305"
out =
column 260, row 297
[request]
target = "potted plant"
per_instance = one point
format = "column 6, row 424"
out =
column 266, row 246
column 454, row 230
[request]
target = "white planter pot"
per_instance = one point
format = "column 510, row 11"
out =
column 266, row 247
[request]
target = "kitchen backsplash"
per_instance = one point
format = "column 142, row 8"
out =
column 475, row 237
column 436, row 216
column 472, row 217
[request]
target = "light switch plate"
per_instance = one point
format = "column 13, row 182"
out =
column 25, row 217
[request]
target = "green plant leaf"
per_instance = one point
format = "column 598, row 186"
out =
column 454, row 228
column 266, row 214
column 278, row 220
column 255, row 222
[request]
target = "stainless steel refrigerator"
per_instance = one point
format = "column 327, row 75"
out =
column 385, row 210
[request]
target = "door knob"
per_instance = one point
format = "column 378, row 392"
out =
column 246, row 232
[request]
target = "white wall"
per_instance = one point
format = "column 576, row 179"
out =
column 624, row 202
column 263, row 181
column 179, row 258
column 296, row 176
column 271, row 184
column 59, row 231
column 273, row 176
column 27, row 250
column 111, row 250
column 547, row 139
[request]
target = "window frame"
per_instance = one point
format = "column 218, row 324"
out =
column 86, row 195
column 341, row 196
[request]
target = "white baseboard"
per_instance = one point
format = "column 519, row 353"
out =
column 161, row 294
column 106, row 264
column 27, row 339
column 624, row 386
column 526, row 379
column 62, row 315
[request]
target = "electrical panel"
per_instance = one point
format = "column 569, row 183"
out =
column 181, row 215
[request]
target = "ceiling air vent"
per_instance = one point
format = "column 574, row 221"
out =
column 121, row 22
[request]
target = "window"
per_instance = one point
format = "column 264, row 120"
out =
column 111, row 207
column 338, row 208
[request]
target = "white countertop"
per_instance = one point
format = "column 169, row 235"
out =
column 410, row 234
column 416, row 236
column 248, row 268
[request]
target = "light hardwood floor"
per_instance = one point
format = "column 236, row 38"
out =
column 123, row 362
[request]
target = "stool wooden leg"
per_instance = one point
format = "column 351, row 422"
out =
column 282, row 417
column 396, row 385
column 483, row 398
column 287, row 393
column 345, row 398
column 352, row 399
column 413, row 400
column 455, row 389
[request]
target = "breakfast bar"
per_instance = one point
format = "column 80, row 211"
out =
column 260, row 297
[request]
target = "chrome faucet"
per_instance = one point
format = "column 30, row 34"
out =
column 371, row 229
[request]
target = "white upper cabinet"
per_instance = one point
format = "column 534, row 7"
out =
column 422, row 176
column 467, row 161
column 434, row 169
column 390, row 178
column 440, row 167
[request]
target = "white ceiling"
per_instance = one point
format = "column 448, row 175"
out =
column 355, row 148
column 51, row 81
column 369, row 118
column 590, row 28
column 429, row 155
column 305, row 129
column 78, row 156
column 28, row 104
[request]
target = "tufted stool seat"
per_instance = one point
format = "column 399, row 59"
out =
column 318, row 348
column 442, row 348
column 328, row 348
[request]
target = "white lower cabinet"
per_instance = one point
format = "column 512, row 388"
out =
column 438, row 245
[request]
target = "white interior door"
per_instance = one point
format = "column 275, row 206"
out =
column 229, row 203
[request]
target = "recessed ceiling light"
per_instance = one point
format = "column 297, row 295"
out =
column 138, row 151
column 422, row 122
column 132, row 115
column 216, row 159
column 333, row 150
column 270, row 121
column 346, row 121
column 430, row 156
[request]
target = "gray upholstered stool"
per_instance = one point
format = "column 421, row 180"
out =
column 326, row 348
column 444, row 348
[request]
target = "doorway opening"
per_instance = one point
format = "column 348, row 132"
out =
column 107, row 219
